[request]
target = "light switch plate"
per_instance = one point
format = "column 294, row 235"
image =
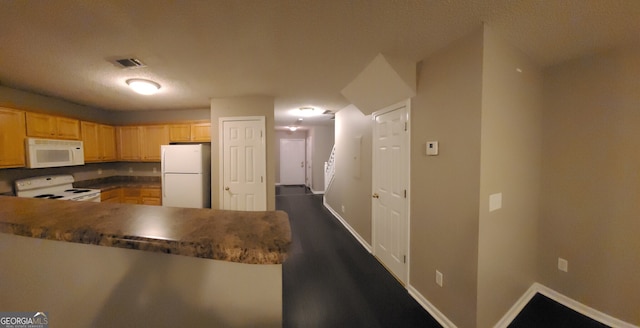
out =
column 439, row 278
column 563, row 265
column 432, row 148
column 495, row 202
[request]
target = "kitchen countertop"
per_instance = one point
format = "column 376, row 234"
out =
column 236, row 236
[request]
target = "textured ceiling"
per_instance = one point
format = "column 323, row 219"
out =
column 301, row 52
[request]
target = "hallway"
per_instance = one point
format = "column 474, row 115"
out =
column 329, row 280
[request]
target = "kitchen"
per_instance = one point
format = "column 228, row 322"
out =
column 132, row 175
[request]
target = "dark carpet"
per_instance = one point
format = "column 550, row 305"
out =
column 542, row 311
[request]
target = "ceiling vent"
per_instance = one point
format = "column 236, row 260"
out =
column 129, row 63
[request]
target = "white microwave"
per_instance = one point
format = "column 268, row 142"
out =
column 53, row 153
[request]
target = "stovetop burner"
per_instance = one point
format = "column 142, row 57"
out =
column 44, row 196
column 48, row 196
column 77, row 191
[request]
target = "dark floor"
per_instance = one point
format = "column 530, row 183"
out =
column 541, row 311
column 330, row 280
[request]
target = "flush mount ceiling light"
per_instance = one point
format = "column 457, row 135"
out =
column 293, row 128
column 306, row 112
column 144, row 87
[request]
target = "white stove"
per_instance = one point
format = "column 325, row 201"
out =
column 55, row 187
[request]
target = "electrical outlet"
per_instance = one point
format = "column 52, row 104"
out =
column 99, row 171
column 563, row 265
column 439, row 278
column 343, row 210
column 130, row 169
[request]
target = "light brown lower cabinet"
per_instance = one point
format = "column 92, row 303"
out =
column 127, row 195
column 111, row 196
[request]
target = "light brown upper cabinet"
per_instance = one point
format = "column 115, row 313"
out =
column 129, row 139
column 201, row 132
column 99, row 142
column 141, row 143
column 179, row 132
column 12, row 134
column 190, row 132
column 49, row 126
column 153, row 136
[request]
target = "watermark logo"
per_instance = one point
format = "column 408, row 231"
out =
column 24, row 320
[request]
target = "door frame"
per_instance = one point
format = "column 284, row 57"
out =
column 221, row 121
column 407, row 143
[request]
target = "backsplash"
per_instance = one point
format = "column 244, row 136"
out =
column 116, row 179
column 90, row 171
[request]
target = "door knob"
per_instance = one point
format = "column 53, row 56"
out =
column 301, row 164
column 375, row 195
column 226, row 188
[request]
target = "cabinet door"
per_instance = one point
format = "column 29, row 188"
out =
column 107, row 140
column 67, row 128
column 12, row 134
column 111, row 196
column 153, row 136
column 201, row 132
column 151, row 196
column 129, row 143
column 179, row 132
column 90, row 141
column 131, row 195
column 41, row 125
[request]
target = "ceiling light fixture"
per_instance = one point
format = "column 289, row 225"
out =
column 307, row 111
column 144, row 87
column 293, row 128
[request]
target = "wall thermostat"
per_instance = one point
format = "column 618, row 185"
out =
column 432, row 148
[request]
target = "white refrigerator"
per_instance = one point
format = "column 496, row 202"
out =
column 186, row 178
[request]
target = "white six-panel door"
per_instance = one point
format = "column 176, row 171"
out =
column 243, row 168
column 390, row 189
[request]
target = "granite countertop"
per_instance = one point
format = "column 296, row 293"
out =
column 236, row 236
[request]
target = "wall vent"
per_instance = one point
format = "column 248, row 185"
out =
column 129, row 63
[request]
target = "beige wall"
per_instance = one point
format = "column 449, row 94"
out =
column 243, row 106
column 351, row 186
column 445, row 188
column 14, row 98
column 510, row 165
column 590, row 203
column 162, row 116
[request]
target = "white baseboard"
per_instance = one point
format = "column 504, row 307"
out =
column 349, row 228
column 317, row 192
column 433, row 311
column 517, row 307
column 564, row 300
